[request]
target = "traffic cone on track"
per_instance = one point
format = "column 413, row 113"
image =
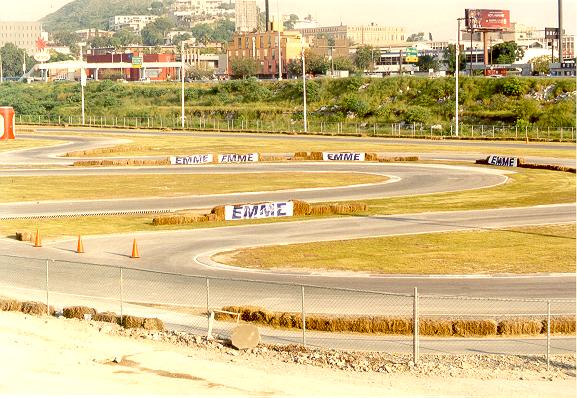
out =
column 80, row 246
column 134, row 250
column 37, row 240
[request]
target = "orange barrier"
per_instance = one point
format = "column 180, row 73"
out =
column 80, row 246
column 37, row 240
column 134, row 250
column 7, row 123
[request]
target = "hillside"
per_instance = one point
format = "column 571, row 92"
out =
column 82, row 14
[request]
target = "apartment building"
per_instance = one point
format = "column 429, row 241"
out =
column 134, row 22
column 21, row 34
column 360, row 35
column 246, row 16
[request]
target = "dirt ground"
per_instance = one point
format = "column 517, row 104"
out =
column 47, row 355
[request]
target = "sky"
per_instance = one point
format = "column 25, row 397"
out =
column 438, row 17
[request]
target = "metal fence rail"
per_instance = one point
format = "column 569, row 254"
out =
column 399, row 130
column 185, row 302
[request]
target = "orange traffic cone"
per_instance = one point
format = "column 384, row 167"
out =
column 37, row 241
column 134, row 250
column 80, row 246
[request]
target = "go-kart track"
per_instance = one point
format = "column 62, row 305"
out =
column 189, row 251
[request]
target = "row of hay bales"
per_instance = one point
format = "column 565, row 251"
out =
column 271, row 157
column 113, row 149
column 79, row 312
column 521, row 163
column 300, row 208
column 401, row 326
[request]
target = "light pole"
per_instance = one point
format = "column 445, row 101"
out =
column 279, row 44
column 82, row 82
column 182, row 83
column 304, row 85
column 457, row 50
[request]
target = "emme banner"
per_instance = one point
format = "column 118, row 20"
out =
column 259, row 210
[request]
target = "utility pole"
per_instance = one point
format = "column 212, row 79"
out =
column 182, row 82
column 304, row 85
column 560, row 13
column 82, row 83
column 279, row 42
column 457, row 50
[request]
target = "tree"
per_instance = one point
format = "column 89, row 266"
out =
column 417, row 37
column 290, row 24
column 506, row 53
column 154, row 33
column 449, row 55
column 364, row 58
column 542, row 65
column 344, row 63
column 315, row 64
column 179, row 38
column 13, row 60
column 220, row 32
column 64, row 38
column 103, row 42
column 126, row 37
column 244, row 67
column 427, row 62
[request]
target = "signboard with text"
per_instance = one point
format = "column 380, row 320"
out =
column 412, row 55
column 344, row 156
column 487, row 19
column 137, row 62
column 259, row 210
column 191, row 159
column 238, row 158
column 507, row 161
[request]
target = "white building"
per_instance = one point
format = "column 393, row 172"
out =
column 134, row 22
column 21, row 34
column 246, row 16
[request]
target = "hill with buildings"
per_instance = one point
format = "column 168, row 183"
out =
column 82, row 14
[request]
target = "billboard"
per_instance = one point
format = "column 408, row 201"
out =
column 259, row 210
column 487, row 19
column 412, row 55
column 552, row 33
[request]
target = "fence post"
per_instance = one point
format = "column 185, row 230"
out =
column 208, row 313
column 303, row 315
column 121, row 294
column 47, row 301
column 548, row 331
column 415, row 326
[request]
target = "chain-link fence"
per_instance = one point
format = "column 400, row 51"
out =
column 286, row 313
column 399, row 130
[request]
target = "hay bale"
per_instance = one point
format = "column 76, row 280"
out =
column 78, row 312
column 301, row 156
column 10, row 305
column 520, row 326
column 153, row 324
column 24, row 236
column 371, row 157
column 109, row 317
column 435, row 327
column 219, row 212
column 316, row 156
column 392, row 325
column 475, row 327
column 301, row 208
column 132, row 322
column 33, row 308
column 561, row 325
column 321, row 210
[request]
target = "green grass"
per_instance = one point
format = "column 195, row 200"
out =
column 525, row 188
column 25, row 143
column 518, row 251
column 165, row 146
column 165, row 185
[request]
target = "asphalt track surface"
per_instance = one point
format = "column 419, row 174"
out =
column 189, row 252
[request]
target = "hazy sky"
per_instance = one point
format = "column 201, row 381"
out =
column 437, row 17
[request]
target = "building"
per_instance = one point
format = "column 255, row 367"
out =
column 264, row 47
column 134, row 22
column 21, row 34
column 246, row 16
column 189, row 11
column 87, row 34
column 361, row 35
column 121, row 66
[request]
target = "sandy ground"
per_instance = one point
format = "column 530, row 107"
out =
column 42, row 355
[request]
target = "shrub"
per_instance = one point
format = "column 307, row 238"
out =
column 513, row 86
column 10, row 305
column 153, row 324
column 131, row 322
column 417, row 114
column 33, row 308
column 110, row 317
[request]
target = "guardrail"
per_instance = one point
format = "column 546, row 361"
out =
column 399, row 130
column 186, row 302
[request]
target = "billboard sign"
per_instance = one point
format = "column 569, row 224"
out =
column 238, row 158
column 137, row 62
column 552, row 33
column 412, row 55
column 42, row 56
column 259, row 210
column 487, row 19
column 344, row 156
column 191, row 159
